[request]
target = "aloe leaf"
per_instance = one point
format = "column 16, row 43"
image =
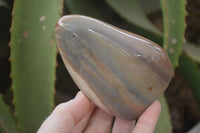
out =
column 164, row 122
column 150, row 6
column 92, row 8
column 174, row 26
column 7, row 122
column 192, row 51
column 132, row 12
column 191, row 72
column 33, row 60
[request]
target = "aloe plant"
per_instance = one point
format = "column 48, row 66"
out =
column 7, row 121
column 33, row 60
column 174, row 28
column 173, row 40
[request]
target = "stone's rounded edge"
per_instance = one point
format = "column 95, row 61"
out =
column 171, row 70
column 63, row 20
column 170, row 67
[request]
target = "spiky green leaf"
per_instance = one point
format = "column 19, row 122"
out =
column 150, row 6
column 7, row 122
column 174, row 27
column 33, row 60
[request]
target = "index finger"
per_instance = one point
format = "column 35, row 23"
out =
column 66, row 115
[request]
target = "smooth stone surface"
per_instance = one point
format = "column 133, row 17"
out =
column 122, row 73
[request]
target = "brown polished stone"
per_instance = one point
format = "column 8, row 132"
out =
column 121, row 72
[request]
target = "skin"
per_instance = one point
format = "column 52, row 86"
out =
column 79, row 114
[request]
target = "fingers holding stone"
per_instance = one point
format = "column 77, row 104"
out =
column 147, row 121
column 100, row 122
column 123, row 126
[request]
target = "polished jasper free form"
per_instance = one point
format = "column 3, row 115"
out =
column 122, row 73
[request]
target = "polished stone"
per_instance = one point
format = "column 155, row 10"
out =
column 121, row 72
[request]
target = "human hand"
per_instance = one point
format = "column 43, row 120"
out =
column 80, row 115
